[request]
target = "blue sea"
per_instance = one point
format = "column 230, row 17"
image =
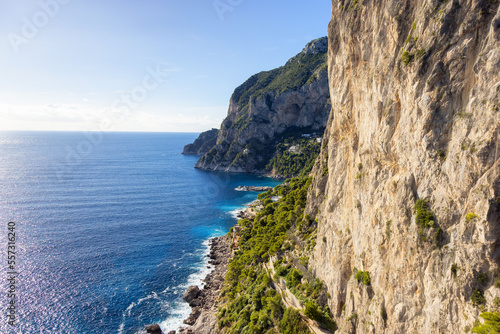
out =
column 111, row 228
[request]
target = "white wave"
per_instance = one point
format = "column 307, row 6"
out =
column 235, row 213
column 180, row 310
column 128, row 311
column 122, row 327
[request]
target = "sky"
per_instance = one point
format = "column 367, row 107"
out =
column 148, row 65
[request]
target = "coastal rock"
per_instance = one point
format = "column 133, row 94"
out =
column 191, row 294
column 253, row 188
column 415, row 90
column 154, row 329
column 270, row 107
column 195, row 313
column 202, row 144
column 203, row 319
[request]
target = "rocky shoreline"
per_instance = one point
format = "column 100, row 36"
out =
column 204, row 302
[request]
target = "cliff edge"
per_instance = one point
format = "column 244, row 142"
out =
column 204, row 143
column 406, row 190
column 270, row 107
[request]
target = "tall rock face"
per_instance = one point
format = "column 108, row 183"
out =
column 204, row 143
column 270, row 106
column 407, row 186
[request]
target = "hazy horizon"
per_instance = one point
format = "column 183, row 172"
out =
column 167, row 66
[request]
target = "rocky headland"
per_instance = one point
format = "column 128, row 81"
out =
column 271, row 108
column 204, row 143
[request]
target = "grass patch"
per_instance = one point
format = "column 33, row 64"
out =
column 471, row 216
column 388, row 230
column 406, row 58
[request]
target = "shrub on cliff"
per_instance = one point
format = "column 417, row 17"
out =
column 363, row 276
column 425, row 217
column 471, row 216
column 313, row 311
column 491, row 323
column 477, row 297
column 290, row 164
column 292, row 323
column 293, row 278
column 247, row 286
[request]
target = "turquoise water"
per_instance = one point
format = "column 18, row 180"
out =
column 111, row 228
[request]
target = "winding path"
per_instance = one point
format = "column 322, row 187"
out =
column 290, row 300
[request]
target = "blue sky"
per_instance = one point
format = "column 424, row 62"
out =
column 150, row 65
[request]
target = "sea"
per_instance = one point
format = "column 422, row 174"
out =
column 110, row 229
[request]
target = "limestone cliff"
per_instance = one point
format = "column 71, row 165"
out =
column 204, row 143
column 268, row 108
column 415, row 90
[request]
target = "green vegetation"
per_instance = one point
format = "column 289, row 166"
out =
column 471, row 216
column 388, row 230
column 477, row 297
column 252, row 305
column 325, row 170
column 363, row 276
column 482, row 278
column 406, row 58
column 442, row 155
column 291, row 164
column 454, row 269
column 295, row 74
column 425, row 219
column 420, row 53
column 491, row 323
column 383, row 314
column 497, row 278
column 410, row 35
column 315, row 312
column 292, row 323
